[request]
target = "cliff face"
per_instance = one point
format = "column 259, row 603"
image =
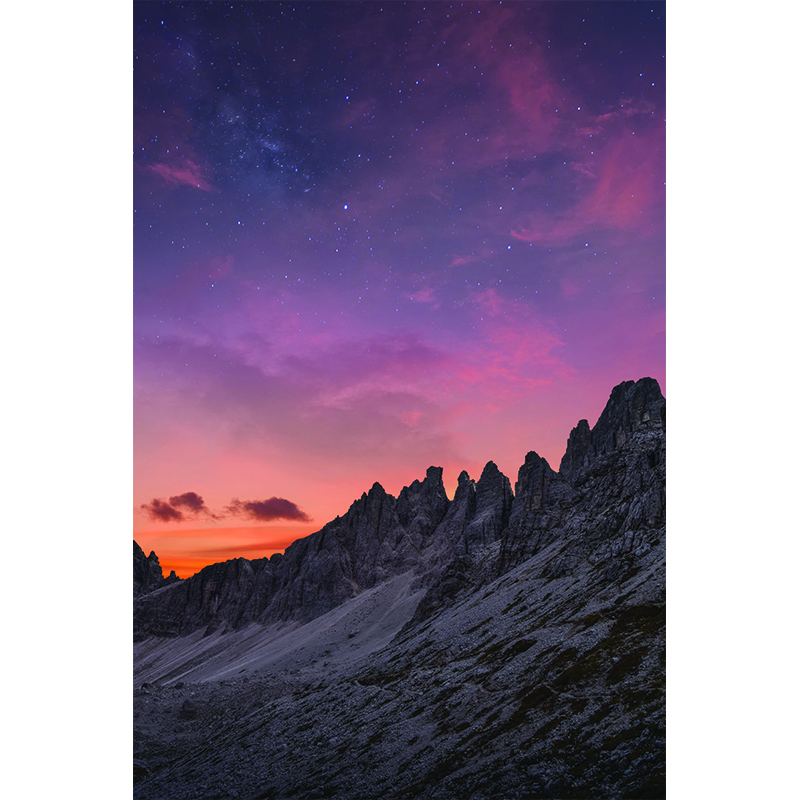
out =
column 611, row 481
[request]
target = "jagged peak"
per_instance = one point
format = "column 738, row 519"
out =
column 375, row 491
column 434, row 474
column 147, row 574
column 492, row 477
column 532, row 457
column 381, row 535
column 533, row 480
column 583, row 425
column 630, row 404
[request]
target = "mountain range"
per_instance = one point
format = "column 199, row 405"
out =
column 502, row 644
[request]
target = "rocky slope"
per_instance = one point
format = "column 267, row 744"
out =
column 498, row 645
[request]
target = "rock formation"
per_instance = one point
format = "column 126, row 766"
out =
column 516, row 644
column 147, row 574
column 380, row 536
column 631, row 404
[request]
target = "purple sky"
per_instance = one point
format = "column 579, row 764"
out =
column 369, row 239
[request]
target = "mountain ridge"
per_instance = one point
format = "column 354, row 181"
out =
column 381, row 536
column 498, row 646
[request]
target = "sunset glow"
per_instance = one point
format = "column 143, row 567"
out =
column 372, row 239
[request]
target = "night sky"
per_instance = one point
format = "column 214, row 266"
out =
column 370, row 238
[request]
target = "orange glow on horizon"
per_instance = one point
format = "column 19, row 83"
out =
column 187, row 551
column 186, row 566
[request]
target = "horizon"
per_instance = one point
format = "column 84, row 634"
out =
column 368, row 240
column 269, row 540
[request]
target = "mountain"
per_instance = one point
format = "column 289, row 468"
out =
column 499, row 644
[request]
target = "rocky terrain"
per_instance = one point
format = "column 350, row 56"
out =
column 497, row 645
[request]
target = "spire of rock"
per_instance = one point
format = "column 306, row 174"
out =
column 422, row 506
column 580, row 451
column 630, row 405
column 493, row 499
column 534, row 520
column 147, row 574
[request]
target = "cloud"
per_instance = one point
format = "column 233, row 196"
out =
column 178, row 508
column 187, row 173
column 628, row 108
column 426, row 295
column 162, row 511
column 190, row 500
column 267, row 510
column 625, row 193
column 518, row 352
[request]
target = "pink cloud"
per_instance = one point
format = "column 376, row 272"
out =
column 410, row 418
column 627, row 189
column 515, row 352
column 469, row 374
column 184, row 173
column 533, row 96
column 627, row 108
column 426, row 295
column 582, row 168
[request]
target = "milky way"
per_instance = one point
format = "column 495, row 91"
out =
column 369, row 239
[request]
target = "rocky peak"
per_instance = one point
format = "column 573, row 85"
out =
column 462, row 509
column 375, row 501
column 493, row 495
column 171, row 578
column 631, row 405
column 580, row 451
column 532, row 490
column 147, row 574
column 493, row 499
column 534, row 520
column 491, row 482
column 434, row 474
column 422, row 506
column 465, row 494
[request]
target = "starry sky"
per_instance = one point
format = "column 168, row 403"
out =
column 370, row 238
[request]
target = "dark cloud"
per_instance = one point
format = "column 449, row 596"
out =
column 179, row 507
column 192, row 501
column 267, row 510
column 162, row 511
column 191, row 506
